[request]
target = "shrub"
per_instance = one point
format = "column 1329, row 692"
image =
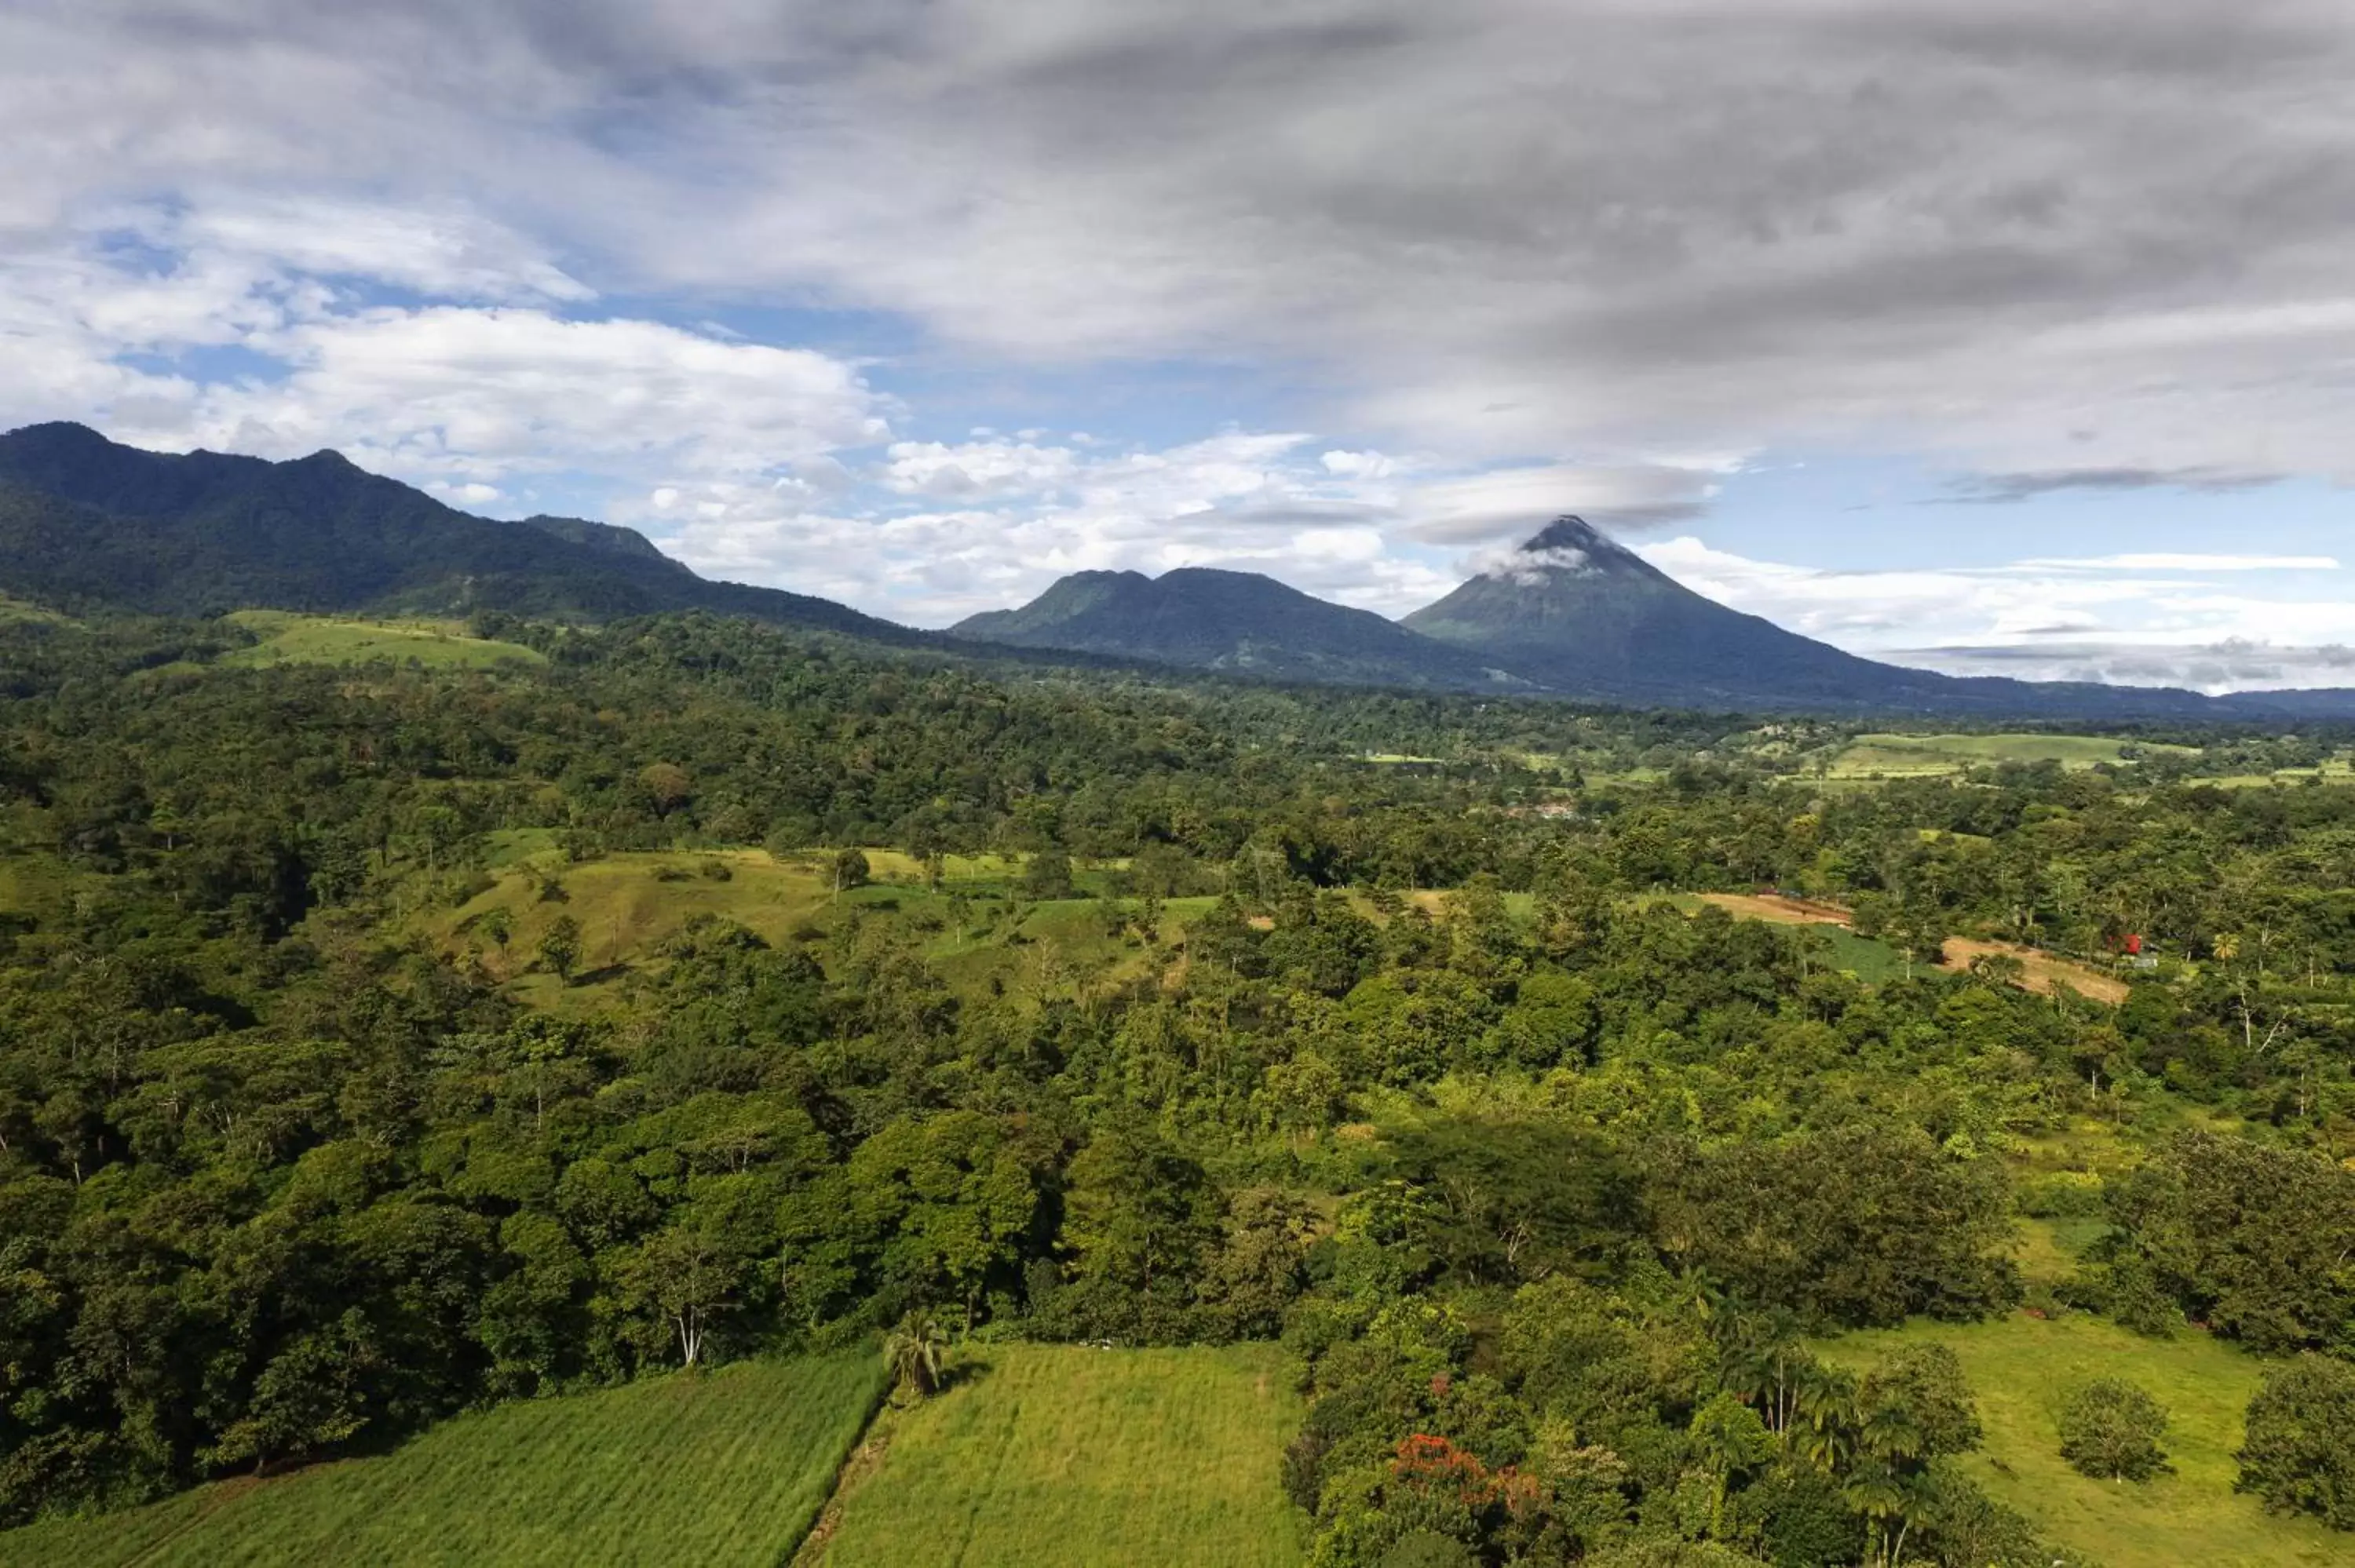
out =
column 2111, row 1430
column 2297, row 1456
column 2062, row 1195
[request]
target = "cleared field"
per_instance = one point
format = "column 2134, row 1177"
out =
column 730, row 1468
column 1775, row 910
column 1869, row 959
column 628, row 905
column 2021, row 1367
column 1902, row 755
column 1054, row 1456
column 2041, row 971
column 292, row 638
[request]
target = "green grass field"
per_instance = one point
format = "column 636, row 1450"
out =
column 730, row 1468
column 628, row 905
column 2021, row 1367
column 1868, row 959
column 1914, row 756
column 1050, row 1455
column 290, row 638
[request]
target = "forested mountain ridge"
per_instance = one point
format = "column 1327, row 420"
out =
column 1573, row 614
column 1244, row 622
column 89, row 523
column 1580, row 613
column 87, row 520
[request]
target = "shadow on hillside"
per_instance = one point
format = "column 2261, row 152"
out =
column 963, row 1370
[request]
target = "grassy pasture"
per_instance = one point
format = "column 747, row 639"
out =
column 730, row 1468
column 628, row 905
column 292, row 638
column 2021, row 1368
column 1892, row 755
column 1048, row 1455
column 1869, row 959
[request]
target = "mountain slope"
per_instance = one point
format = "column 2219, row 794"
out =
column 1583, row 614
column 1207, row 619
column 84, row 519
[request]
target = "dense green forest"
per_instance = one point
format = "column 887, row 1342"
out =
column 1402, row 1044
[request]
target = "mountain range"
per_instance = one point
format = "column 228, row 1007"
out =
column 88, row 523
column 85, row 520
column 1242, row 623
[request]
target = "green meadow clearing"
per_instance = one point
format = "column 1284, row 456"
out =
column 1901, row 756
column 290, row 638
column 1067, row 1456
column 2021, row 1367
column 628, row 905
column 728, row 1467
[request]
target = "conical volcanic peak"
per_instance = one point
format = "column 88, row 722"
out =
column 1570, row 546
column 1577, row 610
column 1570, row 533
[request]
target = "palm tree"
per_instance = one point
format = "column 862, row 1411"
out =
column 916, row 1351
column 1823, row 1402
column 1892, row 1499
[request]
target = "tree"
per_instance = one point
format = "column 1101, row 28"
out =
column 1047, row 875
column 2297, row 1455
column 916, row 1352
column 1730, row 1441
column 687, row 1276
column 1912, row 1407
column 308, row 1398
column 2110, row 1430
column 560, row 946
column 666, row 784
column 850, row 868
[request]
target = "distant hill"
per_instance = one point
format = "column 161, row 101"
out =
column 1206, row 618
column 1581, row 614
column 84, row 520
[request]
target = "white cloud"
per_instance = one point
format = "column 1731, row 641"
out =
column 2040, row 618
column 976, row 468
column 465, row 394
column 1510, row 503
column 2182, row 562
column 487, row 393
column 445, row 252
column 1246, row 499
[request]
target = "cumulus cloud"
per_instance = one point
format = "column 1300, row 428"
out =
column 2153, row 624
column 2090, row 240
column 1509, row 258
column 467, row 393
column 1244, row 500
column 2233, row 665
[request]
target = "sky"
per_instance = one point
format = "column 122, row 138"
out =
column 1983, row 335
